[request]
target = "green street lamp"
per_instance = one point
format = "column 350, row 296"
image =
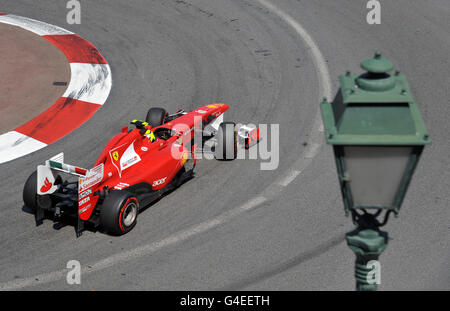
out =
column 377, row 135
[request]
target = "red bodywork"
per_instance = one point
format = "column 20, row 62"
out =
column 130, row 158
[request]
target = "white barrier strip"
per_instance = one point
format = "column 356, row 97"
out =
column 40, row 28
column 15, row 145
column 89, row 82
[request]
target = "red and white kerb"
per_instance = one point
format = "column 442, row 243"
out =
column 89, row 87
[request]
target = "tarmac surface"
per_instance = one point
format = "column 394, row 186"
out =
column 236, row 226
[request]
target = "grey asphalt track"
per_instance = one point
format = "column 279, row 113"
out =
column 191, row 53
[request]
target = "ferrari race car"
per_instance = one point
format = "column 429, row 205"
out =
column 137, row 167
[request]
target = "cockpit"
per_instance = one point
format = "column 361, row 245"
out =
column 163, row 133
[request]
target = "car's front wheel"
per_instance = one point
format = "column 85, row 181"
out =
column 119, row 211
column 226, row 147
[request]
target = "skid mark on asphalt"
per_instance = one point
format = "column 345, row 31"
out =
column 291, row 263
column 314, row 144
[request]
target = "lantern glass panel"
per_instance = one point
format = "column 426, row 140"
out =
column 375, row 173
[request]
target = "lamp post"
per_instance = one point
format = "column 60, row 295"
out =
column 377, row 135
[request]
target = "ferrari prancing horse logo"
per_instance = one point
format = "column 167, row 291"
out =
column 116, row 156
column 123, row 157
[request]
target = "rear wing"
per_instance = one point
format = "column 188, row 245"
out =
column 57, row 163
column 46, row 176
column 87, row 179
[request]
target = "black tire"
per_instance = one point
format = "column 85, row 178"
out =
column 226, row 148
column 30, row 192
column 119, row 212
column 155, row 116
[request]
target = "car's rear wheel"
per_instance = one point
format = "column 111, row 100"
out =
column 30, row 192
column 226, row 148
column 119, row 211
column 155, row 116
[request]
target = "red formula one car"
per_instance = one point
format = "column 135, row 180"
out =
column 135, row 168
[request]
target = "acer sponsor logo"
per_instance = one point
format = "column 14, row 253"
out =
column 159, row 182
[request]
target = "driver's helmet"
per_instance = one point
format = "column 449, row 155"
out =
column 143, row 130
column 150, row 135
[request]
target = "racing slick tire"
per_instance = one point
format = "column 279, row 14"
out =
column 155, row 116
column 226, row 148
column 119, row 212
column 30, row 192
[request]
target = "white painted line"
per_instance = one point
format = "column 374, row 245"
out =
column 290, row 177
column 253, row 203
column 35, row 280
column 38, row 27
column 15, row 145
column 319, row 60
column 316, row 137
column 136, row 252
column 89, row 82
column 312, row 151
